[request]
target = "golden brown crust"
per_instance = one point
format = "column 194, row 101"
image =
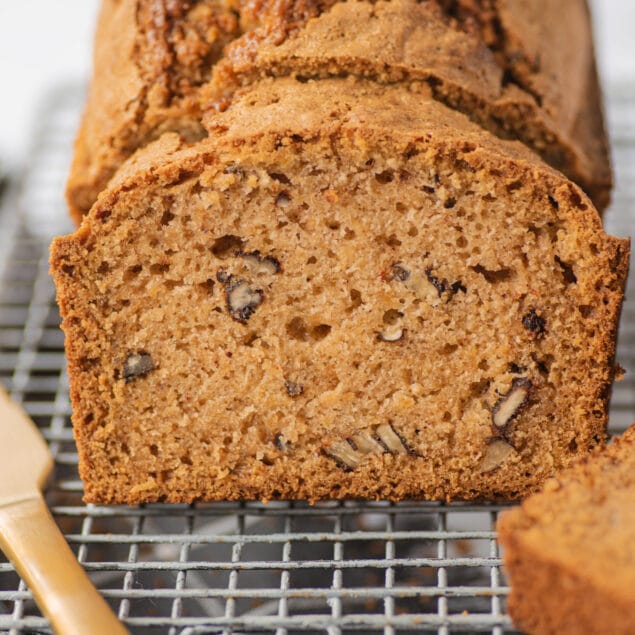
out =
column 150, row 57
column 504, row 63
column 510, row 74
column 276, row 176
column 567, row 548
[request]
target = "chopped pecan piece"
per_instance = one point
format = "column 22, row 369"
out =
column 260, row 264
column 223, row 276
column 427, row 287
column 443, row 286
column 390, row 439
column 280, row 442
column 534, row 323
column 366, row 443
column 350, row 452
column 242, row 300
column 393, row 329
column 496, row 453
column 293, row 388
column 392, row 333
column 399, row 272
column 136, row 365
column 344, row 454
column 511, row 403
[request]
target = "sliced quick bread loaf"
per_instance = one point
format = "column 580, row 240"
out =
column 347, row 290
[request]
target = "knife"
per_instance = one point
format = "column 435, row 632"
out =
column 31, row 539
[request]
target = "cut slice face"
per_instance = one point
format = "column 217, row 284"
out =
column 222, row 302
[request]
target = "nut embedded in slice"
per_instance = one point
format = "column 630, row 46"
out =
column 283, row 200
column 439, row 284
column 419, row 284
column 223, row 276
column 137, row 364
column 259, row 265
column 391, row 333
column 399, row 272
column 242, row 300
column 280, row 442
column 510, row 404
column 351, row 451
column 393, row 329
column 366, row 443
column 497, row 452
column 422, row 288
column 391, row 439
column 534, row 323
column 443, row 286
column 344, row 454
column 293, row 388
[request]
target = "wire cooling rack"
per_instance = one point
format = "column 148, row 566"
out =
column 233, row 568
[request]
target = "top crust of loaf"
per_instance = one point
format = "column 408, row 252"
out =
column 159, row 66
column 506, row 82
column 401, row 113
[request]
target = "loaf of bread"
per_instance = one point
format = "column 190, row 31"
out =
column 569, row 549
column 347, row 289
column 522, row 70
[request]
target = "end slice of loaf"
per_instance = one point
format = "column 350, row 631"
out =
column 569, row 549
column 348, row 290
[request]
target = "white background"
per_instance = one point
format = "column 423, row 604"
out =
column 44, row 43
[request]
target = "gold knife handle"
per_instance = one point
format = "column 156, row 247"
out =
column 32, row 541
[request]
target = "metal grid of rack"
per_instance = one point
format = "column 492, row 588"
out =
column 234, row 568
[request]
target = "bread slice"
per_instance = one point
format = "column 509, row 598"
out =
column 348, row 290
column 523, row 70
column 569, row 549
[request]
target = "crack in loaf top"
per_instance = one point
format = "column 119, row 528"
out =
column 179, row 42
column 160, row 64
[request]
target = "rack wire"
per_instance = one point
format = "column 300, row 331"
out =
column 232, row 568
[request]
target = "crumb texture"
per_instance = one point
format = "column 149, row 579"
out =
column 347, row 289
column 568, row 549
column 522, row 70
